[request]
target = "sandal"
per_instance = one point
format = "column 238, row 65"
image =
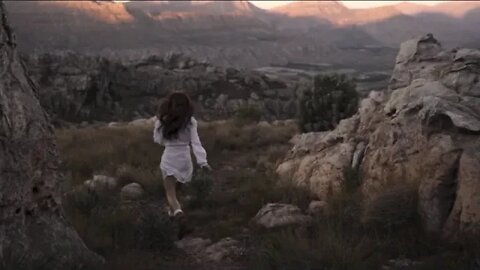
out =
column 178, row 213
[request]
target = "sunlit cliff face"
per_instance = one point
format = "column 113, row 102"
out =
column 107, row 12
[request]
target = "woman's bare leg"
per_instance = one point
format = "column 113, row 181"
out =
column 169, row 183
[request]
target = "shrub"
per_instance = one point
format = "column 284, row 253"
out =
column 80, row 200
column 343, row 238
column 200, row 186
column 285, row 249
column 121, row 226
column 155, row 231
column 248, row 114
column 332, row 99
column 352, row 179
column 392, row 208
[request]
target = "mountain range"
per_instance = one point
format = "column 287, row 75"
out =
column 237, row 33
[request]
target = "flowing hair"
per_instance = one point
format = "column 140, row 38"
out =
column 175, row 114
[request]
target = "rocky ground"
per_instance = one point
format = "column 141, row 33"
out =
column 219, row 228
column 76, row 88
column 393, row 187
column 246, row 218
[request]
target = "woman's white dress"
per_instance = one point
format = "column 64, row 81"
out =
column 177, row 159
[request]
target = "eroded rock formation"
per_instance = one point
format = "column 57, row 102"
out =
column 425, row 130
column 33, row 230
column 82, row 88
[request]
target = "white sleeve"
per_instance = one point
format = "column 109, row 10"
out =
column 157, row 134
column 198, row 150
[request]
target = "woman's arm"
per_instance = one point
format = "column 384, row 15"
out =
column 198, row 150
column 157, row 133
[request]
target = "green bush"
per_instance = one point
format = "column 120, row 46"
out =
column 155, row 231
column 332, row 99
column 392, row 208
column 123, row 226
column 248, row 114
column 201, row 187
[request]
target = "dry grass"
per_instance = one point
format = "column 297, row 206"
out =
column 357, row 234
column 392, row 209
column 129, row 154
column 110, row 151
column 354, row 233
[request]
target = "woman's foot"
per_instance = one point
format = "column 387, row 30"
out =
column 178, row 213
column 169, row 211
column 174, row 214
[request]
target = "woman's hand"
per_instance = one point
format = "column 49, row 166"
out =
column 206, row 168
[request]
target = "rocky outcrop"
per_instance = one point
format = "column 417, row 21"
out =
column 79, row 88
column 33, row 231
column 424, row 131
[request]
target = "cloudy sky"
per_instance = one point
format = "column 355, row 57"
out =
column 350, row 4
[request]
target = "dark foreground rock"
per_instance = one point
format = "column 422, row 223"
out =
column 33, row 231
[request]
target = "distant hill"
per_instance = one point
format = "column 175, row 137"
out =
column 455, row 8
column 336, row 13
column 237, row 33
column 392, row 24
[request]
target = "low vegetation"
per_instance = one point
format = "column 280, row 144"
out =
column 354, row 232
column 243, row 155
column 248, row 114
column 332, row 98
column 363, row 233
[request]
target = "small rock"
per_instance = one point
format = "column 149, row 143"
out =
column 132, row 191
column 264, row 124
column 254, row 96
column 110, row 182
column 399, row 264
column 211, row 69
column 101, row 182
column 317, row 208
column 278, row 123
column 141, row 122
column 289, row 122
column 275, row 215
column 113, row 124
column 89, row 184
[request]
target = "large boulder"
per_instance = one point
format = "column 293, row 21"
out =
column 424, row 132
column 33, row 231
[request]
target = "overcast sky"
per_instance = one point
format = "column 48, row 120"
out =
column 350, row 4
